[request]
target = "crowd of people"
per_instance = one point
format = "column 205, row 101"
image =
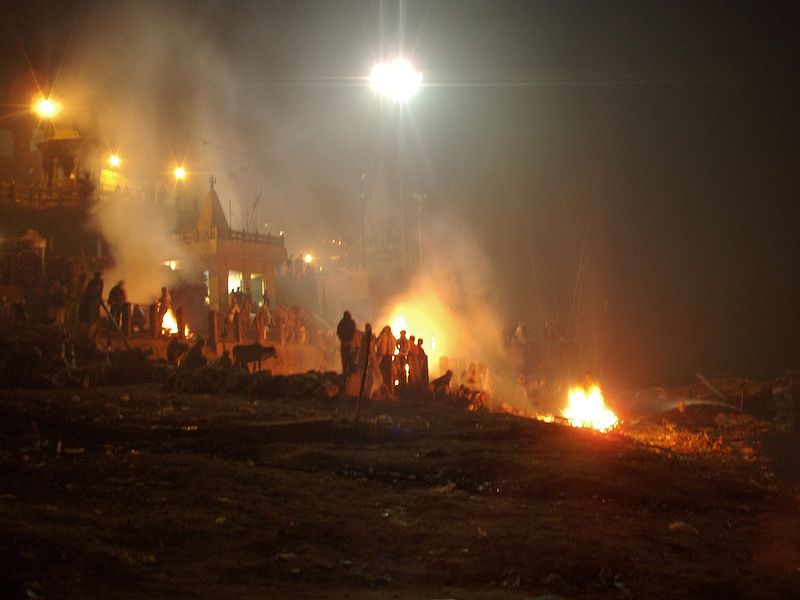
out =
column 382, row 363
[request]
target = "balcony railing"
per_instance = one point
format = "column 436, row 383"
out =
column 215, row 233
column 37, row 197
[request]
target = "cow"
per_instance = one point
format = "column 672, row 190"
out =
column 244, row 354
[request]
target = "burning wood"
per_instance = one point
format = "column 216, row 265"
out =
column 586, row 408
column 169, row 324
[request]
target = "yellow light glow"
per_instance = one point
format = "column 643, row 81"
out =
column 169, row 324
column 419, row 318
column 398, row 322
column 114, row 160
column 179, row 173
column 586, row 408
column 110, row 179
column 308, row 258
column 46, row 108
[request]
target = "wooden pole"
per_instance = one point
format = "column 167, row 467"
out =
column 365, row 347
column 110, row 318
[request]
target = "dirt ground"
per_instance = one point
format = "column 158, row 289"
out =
column 137, row 493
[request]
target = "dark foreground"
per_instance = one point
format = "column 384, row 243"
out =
column 135, row 493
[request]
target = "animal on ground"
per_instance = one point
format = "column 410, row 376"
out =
column 245, row 354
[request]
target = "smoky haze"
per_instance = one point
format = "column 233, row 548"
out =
column 644, row 152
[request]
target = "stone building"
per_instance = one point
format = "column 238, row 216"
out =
column 231, row 259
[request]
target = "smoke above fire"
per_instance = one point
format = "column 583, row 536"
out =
column 165, row 84
column 453, row 305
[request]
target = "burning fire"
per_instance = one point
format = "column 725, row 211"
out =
column 586, row 408
column 170, row 324
column 416, row 319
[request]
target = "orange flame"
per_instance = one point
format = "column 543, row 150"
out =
column 416, row 320
column 170, row 324
column 586, row 408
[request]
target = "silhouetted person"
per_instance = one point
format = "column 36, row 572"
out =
column 116, row 298
column 89, row 310
column 164, row 304
column 230, row 317
column 403, row 346
column 346, row 332
column 137, row 318
column 384, row 348
column 195, row 357
column 175, row 349
column 422, row 359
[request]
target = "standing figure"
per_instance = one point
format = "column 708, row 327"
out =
column 264, row 321
column 422, row 361
column 195, row 357
column 92, row 298
column 385, row 346
column 138, row 319
column 116, row 298
column 346, row 332
column 413, row 362
column 403, row 346
column 164, row 304
column 230, row 317
column 281, row 324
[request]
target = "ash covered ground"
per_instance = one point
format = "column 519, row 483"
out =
column 134, row 492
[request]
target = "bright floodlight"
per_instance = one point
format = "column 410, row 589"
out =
column 308, row 258
column 46, row 108
column 114, row 161
column 179, row 173
column 397, row 80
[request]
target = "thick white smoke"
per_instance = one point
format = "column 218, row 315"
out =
column 452, row 303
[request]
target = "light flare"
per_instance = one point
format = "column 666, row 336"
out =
column 586, row 408
column 396, row 80
column 46, row 108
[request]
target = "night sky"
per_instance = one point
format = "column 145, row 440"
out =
column 661, row 138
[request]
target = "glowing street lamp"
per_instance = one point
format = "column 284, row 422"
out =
column 308, row 258
column 397, row 81
column 179, row 173
column 46, row 108
column 114, row 161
